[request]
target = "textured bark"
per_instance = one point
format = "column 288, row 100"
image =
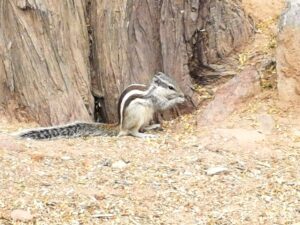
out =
column 177, row 37
column 126, row 48
column 288, row 53
column 214, row 29
column 44, row 59
column 46, row 65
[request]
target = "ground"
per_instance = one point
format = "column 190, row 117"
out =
column 109, row 180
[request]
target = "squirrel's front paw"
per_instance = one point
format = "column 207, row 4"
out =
column 180, row 100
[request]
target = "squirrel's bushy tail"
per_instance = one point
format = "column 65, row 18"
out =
column 77, row 129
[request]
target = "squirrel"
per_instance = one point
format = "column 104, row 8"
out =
column 136, row 107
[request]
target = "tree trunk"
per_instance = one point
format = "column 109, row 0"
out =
column 176, row 37
column 55, row 55
column 44, row 63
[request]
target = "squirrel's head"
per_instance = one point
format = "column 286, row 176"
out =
column 166, row 87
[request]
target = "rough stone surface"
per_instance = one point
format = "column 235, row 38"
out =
column 288, row 53
column 231, row 95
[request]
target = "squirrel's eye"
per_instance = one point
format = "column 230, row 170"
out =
column 171, row 88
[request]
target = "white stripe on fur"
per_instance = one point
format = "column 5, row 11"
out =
column 130, row 93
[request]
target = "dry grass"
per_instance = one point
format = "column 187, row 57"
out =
column 163, row 181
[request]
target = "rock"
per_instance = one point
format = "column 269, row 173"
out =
column 266, row 10
column 266, row 123
column 216, row 170
column 188, row 173
column 103, row 215
column 296, row 132
column 288, row 53
column 229, row 97
column 267, row 198
column 21, row 215
column 243, row 136
column 119, row 164
column 66, row 158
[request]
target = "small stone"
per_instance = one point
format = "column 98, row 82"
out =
column 187, row 173
column 65, row 158
column 267, row 198
column 119, row 164
column 21, row 215
column 75, row 222
column 296, row 132
column 98, row 214
column 216, row 170
column 266, row 123
column 102, row 215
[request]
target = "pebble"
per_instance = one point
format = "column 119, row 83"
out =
column 21, row 215
column 266, row 123
column 119, row 164
column 216, row 170
column 65, row 158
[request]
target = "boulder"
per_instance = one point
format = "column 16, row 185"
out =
column 288, row 53
column 230, row 96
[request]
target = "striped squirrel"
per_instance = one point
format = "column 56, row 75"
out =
column 136, row 107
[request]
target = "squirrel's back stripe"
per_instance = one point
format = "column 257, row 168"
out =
column 130, row 99
column 129, row 91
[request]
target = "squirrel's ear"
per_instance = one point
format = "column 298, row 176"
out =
column 159, row 74
column 156, row 79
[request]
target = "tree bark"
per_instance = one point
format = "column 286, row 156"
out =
column 126, row 47
column 55, row 55
column 44, row 62
column 177, row 37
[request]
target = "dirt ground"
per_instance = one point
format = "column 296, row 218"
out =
column 244, row 170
